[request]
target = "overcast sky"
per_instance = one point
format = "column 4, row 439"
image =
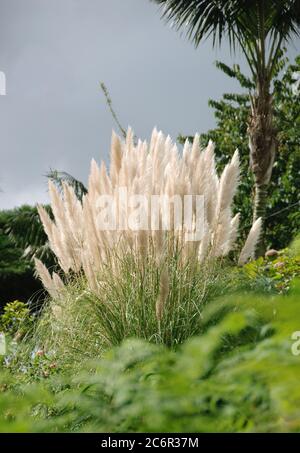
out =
column 54, row 54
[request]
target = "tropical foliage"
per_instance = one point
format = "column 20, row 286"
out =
column 260, row 28
column 231, row 112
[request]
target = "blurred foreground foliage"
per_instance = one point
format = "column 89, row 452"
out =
column 241, row 374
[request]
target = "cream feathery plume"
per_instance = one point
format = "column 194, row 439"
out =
column 251, row 241
column 57, row 205
column 46, row 221
column 221, row 233
column 195, row 148
column 94, row 180
column 228, row 183
column 43, row 273
column 193, row 166
column 186, row 153
column 234, row 229
column 168, row 145
column 204, row 244
column 116, row 158
column 92, row 236
column 53, row 233
column 106, row 187
column 232, row 237
column 211, row 181
column 174, row 155
column 209, row 158
column 72, row 232
column 61, row 236
column 152, row 143
column 157, row 158
column 157, row 168
column 129, row 139
column 45, row 278
column 61, row 249
column 57, row 282
column 199, row 176
column 142, row 160
column 73, row 210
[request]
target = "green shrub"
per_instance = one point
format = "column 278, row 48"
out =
column 16, row 319
column 240, row 375
column 277, row 270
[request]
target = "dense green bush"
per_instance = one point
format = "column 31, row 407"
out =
column 276, row 270
column 239, row 375
column 16, row 319
column 21, row 235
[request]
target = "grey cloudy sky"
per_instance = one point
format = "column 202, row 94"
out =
column 54, row 53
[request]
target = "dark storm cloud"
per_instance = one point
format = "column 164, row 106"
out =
column 54, row 54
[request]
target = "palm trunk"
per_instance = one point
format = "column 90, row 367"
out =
column 263, row 145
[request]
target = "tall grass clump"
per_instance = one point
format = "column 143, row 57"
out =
column 136, row 279
column 159, row 304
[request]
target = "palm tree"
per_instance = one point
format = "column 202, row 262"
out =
column 260, row 28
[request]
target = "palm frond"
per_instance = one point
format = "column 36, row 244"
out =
column 284, row 18
column 60, row 177
column 238, row 20
column 201, row 18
